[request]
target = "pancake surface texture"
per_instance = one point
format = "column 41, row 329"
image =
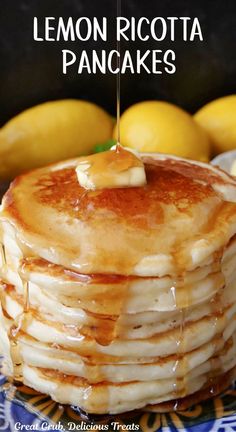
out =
column 118, row 299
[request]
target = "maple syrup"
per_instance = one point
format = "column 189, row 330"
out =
column 180, row 368
column 14, row 332
column 3, row 258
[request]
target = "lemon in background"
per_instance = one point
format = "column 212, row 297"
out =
column 156, row 126
column 50, row 132
column 218, row 118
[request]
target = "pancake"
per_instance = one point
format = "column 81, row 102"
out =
column 100, row 232
column 115, row 299
column 100, row 293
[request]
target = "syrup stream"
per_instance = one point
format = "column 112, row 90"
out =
column 118, row 86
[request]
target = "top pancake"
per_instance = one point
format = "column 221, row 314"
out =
column 185, row 213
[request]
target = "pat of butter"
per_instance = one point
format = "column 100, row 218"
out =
column 233, row 168
column 115, row 168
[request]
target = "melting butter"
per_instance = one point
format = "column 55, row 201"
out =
column 114, row 168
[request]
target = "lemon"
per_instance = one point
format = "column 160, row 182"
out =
column 50, row 132
column 155, row 126
column 218, row 118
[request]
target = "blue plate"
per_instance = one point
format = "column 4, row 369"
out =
column 23, row 406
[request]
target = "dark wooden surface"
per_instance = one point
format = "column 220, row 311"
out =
column 30, row 72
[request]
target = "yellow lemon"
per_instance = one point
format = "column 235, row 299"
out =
column 155, row 126
column 218, row 118
column 50, row 132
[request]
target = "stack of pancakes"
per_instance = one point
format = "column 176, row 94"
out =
column 116, row 299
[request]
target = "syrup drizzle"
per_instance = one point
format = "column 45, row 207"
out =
column 118, row 83
column 180, row 367
column 219, row 323
column 107, row 333
column 7, row 385
column 18, row 323
column 14, row 333
column 3, row 257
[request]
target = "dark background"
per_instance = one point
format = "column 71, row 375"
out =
column 31, row 72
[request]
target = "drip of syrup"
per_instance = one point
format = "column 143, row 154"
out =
column 15, row 328
column 13, row 335
column 118, row 84
column 217, row 313
column 180, row 368
column 107, row 326
column 7, row 385
column 3, row 259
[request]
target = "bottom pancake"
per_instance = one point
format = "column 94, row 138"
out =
column 200, row 391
